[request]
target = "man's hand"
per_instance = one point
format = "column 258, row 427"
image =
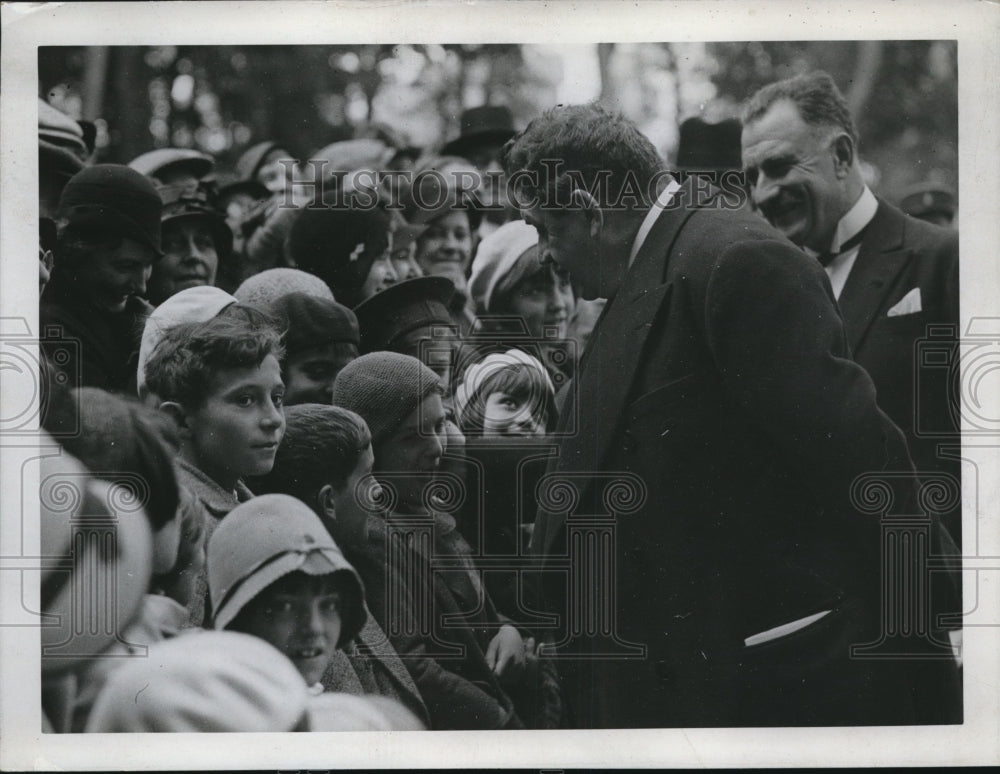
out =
column 506, row 656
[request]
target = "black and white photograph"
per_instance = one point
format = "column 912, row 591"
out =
column 586, row 384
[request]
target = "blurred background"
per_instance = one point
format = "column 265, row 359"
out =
column 222, row 99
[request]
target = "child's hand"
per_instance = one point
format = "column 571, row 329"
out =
column 506, row 655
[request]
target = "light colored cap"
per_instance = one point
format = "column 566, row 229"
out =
column 198, row 304
column 496, row 256
column 203, row 681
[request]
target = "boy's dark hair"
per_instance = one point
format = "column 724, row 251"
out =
column 579, row 146
column 816, row 96
column 322, row 445
column 188, row 357
column 519, row 381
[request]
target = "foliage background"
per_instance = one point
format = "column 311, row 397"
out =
column 221, row 99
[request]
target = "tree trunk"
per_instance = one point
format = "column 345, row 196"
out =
column 865, row 74
column 95, row 78
column 604, row 53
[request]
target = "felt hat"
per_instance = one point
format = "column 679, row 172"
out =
column 926, row 199
column 263, row 540
column 116, row 198
column 314, row 322
column 198, row 304
column 434, row 193
column 62, row 149
column 401, row 308
column 339, row 245
column 266, row 287
column 384, row 388
column 252, row 159
column 203, row 681
column 185, row 201
column 350, row 155
column 162, row 161
column 496, row 257
column 705, row 146
column 481, row 125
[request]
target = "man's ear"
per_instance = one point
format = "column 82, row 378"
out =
column 178, row 413
column 843, row 153
column 325, row 500
column 591, row 210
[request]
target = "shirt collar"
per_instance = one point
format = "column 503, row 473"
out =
column 855, row 219
column 661, row 203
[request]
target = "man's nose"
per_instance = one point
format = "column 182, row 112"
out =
column 764, row 189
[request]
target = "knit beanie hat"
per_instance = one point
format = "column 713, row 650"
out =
column 384, row 388
column 497, row 257
column 315, row 322
column 263, row 540
column 203, row 681
column 263, row 289
column 198, row 304
column 339, row 245
column 114, row 198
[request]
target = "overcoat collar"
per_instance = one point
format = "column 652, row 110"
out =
column 607, row 371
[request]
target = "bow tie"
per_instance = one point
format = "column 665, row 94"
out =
column 850, row 244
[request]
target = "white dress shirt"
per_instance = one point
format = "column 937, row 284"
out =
column 856, row 218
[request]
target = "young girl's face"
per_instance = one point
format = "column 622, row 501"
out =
column 506, row 414
column 300, row 615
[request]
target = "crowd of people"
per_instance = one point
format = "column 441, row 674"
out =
column 317, row 401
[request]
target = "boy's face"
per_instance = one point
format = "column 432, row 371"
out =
column 505, row 414
column 349, row 502
column 415, row 447
column 310, row 374
column 236, row 431
column 300, row 615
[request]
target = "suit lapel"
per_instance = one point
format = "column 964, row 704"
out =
column 608, row 370
column 881, row 258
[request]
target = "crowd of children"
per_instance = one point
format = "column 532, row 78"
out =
column 291, row 398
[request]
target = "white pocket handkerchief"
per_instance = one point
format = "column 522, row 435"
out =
column 908, row 304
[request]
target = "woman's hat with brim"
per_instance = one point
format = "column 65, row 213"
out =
column 188, row 202
column 156, row 163
column 263, row 540
column 401, row 308
column 114, row 198
column 480, row 126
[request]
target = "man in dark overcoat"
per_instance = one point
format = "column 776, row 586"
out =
column 718, row 386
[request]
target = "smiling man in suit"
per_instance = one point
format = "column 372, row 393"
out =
column 719, row 376
column 893, row 275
